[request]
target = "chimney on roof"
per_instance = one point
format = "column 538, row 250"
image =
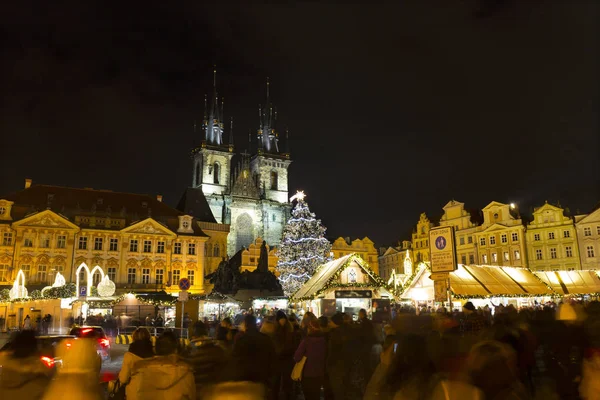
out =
column 159, row 197
column 27, row 183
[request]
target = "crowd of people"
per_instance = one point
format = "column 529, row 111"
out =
column 550, row 351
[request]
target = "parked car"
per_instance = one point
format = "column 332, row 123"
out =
column 47, row 348
column 97, row 333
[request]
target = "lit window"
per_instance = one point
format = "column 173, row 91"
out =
column 492, row 239
column 41, row 273
column 482, row 241
column 494, row 257
column 598, row 229
column 2, row 210
column 536, row 237
column 566, row 234
column 469, row 239
column 133, row 245
column 538, row 254
column 147, row 246
column 568, row 251
column 461, row 240
column 112, row 273
column 145, row 276
column 216, row 250
column 45, row 242
column 177, row 248
column 191, row 249
column 131, row 276
column 27, row 242
column 159, row 276
column 160, row 247
column 176, row 277
column 590, row 252
column 4, row 273
column 191, row 277
column 96, row 278
column 503, row 238
column 506, row 256
column 114, row 244
column 553, row 252
column 587, row 231
column 98, row 244
column 7, row 239
column 82, row 244
column 61, row 242
column 550, row 235
column 484, row 259
column 515, row 236
column 517, row 254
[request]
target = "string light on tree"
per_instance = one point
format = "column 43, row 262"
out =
column 303, row 247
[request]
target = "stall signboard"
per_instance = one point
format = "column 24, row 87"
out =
column 353, row 294
column 439, row 289
column 442, row 250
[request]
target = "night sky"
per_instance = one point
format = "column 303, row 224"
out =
column 392, row 110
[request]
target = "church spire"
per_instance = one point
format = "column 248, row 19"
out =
column 231, row 134
column 267, row 135
column 213, row 116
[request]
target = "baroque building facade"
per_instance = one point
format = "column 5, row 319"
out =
column 391, row 260
column 141, row 243
column 552, row 240
column 363, row 247
column 420, row 239
column 500, row 239
column 251, row 198
column 588, row 236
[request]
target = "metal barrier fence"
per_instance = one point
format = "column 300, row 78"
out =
column 181, row 333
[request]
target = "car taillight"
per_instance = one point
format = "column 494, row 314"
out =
column 104, row 342
column 48, row 361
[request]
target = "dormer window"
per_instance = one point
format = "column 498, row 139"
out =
column 5, row 207
column 185, row 224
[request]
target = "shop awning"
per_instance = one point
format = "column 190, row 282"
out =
column 571, row 282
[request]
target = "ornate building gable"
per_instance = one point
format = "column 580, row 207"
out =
column 390, row 251
column 149, row 227
column 46, row 219
column 592, row 217
column 549, row 215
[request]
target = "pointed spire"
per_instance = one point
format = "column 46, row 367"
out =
column 287, row 141
column 231, row 132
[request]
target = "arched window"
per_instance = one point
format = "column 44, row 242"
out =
column 96, row 278
column 216, row 250
column 217, row 173
column 208, row 249
column 244, row 231
column 274, row 180
column 198, row 174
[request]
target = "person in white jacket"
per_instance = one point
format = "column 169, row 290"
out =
column 141, row 348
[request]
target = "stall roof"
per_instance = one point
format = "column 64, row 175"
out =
column 483, row 281
column 571, row 282
column 326, row 272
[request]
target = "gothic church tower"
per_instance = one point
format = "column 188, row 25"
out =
column 212, row 160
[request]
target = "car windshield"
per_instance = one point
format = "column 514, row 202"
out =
column 88, row 332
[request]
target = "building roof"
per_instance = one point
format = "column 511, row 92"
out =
column 72, row 202
column 571, row 282
column 193, row 202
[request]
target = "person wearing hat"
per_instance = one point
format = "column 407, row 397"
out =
column 473, row 322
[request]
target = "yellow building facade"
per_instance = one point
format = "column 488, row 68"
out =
column 552, row 240
column 420, row 239
column 464, row 231
column 500, row 239
column 251, row 255
column 588, row 236
column 139, row 242
column 363, row 247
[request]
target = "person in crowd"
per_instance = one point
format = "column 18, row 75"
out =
column 141, row 348
column 314, row 348
column 473, row 322
column 23, row 374
column 224, row 334
column 79, row 376
column 165, row 376
column 199, row 330
column 306, row 319
column 339, row 356
column 160, row 322
column 186, row 320
column 27, row 323
column 148, row 320
column 208, row 360
column 253, row 349
column 286, row 342
column 234, row 391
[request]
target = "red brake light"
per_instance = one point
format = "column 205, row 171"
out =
column 48, row 361
column 104, row 342
column 86, row 330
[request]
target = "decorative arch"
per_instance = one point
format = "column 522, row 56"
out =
column 132, row 263
column 25, row 260
column 146, row 263
column 244, row 231
column 112, row 262
column 191, row 265
column 96, row 279
column 43, row 259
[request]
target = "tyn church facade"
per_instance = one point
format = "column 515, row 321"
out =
column 253, row 197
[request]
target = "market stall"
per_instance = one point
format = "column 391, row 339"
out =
column 581, row 283
column 346, row 284
column 481, row 285
column 216, row 306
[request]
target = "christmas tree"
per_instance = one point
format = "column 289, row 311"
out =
column 303, row 247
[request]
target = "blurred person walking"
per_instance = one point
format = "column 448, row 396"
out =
column 286, row 341
column 141, row 348
column 314, row 348
column 23, row 374
column 163, row 377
